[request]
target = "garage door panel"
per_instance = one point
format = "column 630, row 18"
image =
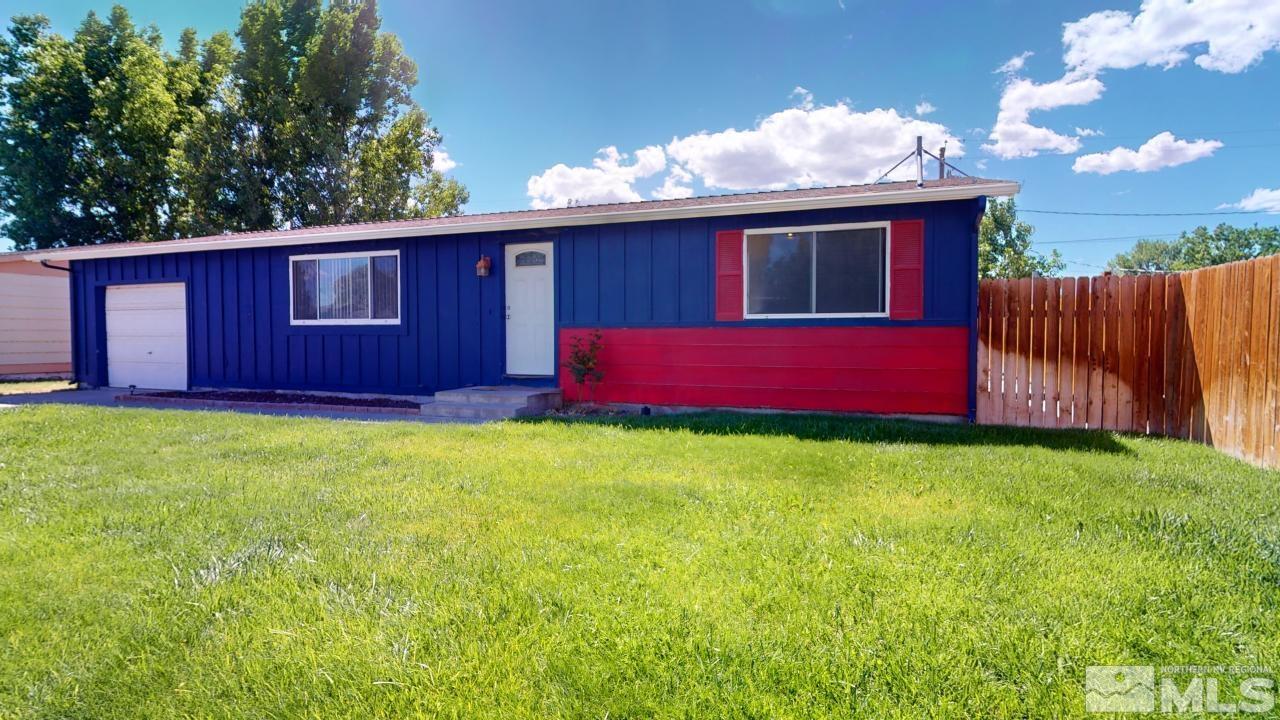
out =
column 128, row 351
column 144, row 374
column 147, row 336
column 149, row 322
column 148, row 295
column 138, row 375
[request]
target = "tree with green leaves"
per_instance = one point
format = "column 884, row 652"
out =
column 106, row 137
column 1226, row 243
column 1004, row 245
column 323, row 123
column 200, row 83
column 1199, row 248
column 87, row 124
column 1147, row 256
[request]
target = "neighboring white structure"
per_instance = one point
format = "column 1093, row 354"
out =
column 35, row 319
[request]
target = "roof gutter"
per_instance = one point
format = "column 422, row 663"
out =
column 333, row 235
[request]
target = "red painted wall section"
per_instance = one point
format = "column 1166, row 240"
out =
column 729, row 275
column 906, row 267
column 918, row 370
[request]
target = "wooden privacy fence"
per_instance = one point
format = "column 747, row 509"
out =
column 1193, row 355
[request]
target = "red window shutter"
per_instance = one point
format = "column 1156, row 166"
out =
column 729, row 275
column 906, row 270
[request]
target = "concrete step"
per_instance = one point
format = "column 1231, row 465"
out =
column 492, row 402
column 502, row 394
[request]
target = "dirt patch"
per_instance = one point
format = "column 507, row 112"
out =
column 273, row 397
column 27, row 387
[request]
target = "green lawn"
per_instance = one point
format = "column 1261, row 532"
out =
column 177, row 564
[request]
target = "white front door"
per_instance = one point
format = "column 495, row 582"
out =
column 147, row 336
column 531, row 325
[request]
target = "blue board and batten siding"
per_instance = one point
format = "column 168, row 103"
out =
column 647, row 274
column 239, row 334
column 661, row 274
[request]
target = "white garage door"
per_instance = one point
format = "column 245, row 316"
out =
column 147, row 336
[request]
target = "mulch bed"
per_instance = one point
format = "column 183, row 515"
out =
column 589, row 410
column 271, row 398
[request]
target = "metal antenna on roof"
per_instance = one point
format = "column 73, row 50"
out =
column 919, row 161
column 919, row 154
column 943, row 165
column 895, row 167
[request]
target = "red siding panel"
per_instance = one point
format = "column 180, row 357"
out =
column 906, row 265
column 729, row 275
column 850, row 369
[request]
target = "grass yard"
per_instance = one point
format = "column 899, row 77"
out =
column 159, row 564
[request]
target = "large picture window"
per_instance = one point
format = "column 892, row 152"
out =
column 836, row 271
column 345, row 289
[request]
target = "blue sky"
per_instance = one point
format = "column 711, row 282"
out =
column 824, row 91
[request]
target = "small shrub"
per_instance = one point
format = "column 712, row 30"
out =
column 584, row 362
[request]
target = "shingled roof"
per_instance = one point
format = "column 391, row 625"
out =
column 704, row 206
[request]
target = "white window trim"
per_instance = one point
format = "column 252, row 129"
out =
column 339, row 256
column 746, row 270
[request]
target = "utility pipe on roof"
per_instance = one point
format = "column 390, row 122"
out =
column 919, row 161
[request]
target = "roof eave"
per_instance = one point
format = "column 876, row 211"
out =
column 353, row 234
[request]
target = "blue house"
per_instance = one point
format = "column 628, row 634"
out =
column 859, row 298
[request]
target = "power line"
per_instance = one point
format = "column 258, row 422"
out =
column 1234, row 132
column 1246, row 147
column 1188, row 133
column 1144, row 214
column 1107, row 239
column 1108, row 267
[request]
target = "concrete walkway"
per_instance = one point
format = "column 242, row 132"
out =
column 106, row 397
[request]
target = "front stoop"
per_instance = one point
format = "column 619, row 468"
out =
column 492, row 402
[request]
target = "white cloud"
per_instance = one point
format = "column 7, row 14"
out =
column 806, row 147
column 1015, row 64
column 1162, row 151
column 676, row 185
column 1230, row 35
column 804, row 96
column 803, row 146
column 1013, row 135
column 1235, row 34
column 608, row 180
column 441, row 161
column 924, row 107
column 1088, row 132
column 1261, row 199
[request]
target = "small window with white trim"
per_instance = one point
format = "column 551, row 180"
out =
column 345, row 288
column 823, row 271
column 531, row 258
